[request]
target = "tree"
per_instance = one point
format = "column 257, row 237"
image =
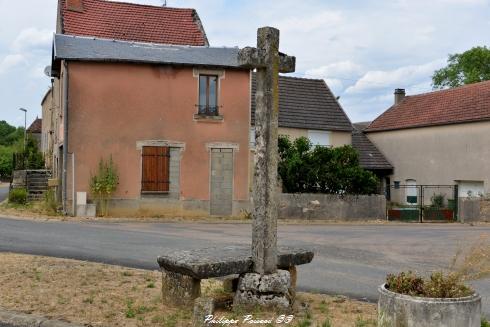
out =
column 469, row 67
column 6, row 161
column 307, row 169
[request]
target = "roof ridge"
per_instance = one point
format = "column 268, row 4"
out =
column 142, row 4
column 301, row 78
column 450, row 89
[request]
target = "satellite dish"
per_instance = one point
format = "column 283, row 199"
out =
column 47, row 71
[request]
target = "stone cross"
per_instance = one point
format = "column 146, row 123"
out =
column 269, row 62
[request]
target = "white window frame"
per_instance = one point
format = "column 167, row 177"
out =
column 320, row 138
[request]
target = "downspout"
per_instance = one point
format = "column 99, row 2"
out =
column 65, row 137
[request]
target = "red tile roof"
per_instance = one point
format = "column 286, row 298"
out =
column 133, row 22
column 467, row 103
column 36, row 126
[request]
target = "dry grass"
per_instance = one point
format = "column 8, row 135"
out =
column 473, row 262
column 105, row 295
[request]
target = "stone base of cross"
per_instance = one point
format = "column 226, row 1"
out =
column 266, row 286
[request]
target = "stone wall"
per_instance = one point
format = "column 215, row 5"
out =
column 332, row 207
column 474, row 210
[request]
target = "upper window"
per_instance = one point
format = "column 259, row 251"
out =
column 208, row 95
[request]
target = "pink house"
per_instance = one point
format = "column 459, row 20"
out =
column 144, row 87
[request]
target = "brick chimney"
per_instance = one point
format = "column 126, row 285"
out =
column 399, row 95
column 74, row 5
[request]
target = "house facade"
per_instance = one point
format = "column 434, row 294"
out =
column 438, row 138
column 173, row 113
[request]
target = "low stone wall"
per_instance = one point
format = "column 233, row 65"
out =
column 474, row 210
column 332, row 207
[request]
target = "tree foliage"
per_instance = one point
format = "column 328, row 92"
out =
column 104, row 184
column 304, row 168
column 469, row 67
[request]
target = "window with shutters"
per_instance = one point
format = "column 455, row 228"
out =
column 155, row 170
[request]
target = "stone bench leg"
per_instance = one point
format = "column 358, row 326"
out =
column 294, row 277
column 179, row 289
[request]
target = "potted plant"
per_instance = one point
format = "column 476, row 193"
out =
column 408, row 300
column 442, row 299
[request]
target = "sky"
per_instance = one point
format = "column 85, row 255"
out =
column 364, row 49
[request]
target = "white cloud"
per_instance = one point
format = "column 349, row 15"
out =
column 400, row 77
column 340, row 69
column 30, row 38
column 320, row 20
column 10, row 61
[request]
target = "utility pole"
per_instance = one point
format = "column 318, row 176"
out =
column 25, row 135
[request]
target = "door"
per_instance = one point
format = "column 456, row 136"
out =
column 221, row 202
column 411, row 191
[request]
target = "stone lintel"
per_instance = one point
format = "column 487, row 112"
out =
column 167, row 143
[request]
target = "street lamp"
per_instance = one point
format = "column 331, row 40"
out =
column 25, row 133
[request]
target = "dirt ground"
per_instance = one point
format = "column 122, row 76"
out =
column 104, row 295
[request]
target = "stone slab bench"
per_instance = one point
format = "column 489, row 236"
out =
column 183, row 270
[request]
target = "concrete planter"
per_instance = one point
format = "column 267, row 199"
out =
column 398, row 310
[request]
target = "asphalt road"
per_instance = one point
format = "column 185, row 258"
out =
column 4, row 191
column 349, row 259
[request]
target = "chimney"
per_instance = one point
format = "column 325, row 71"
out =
column 399, row 95
column 74, row 5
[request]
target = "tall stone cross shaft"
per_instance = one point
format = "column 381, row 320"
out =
column 269, row 63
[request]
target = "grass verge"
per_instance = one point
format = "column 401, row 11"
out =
column 105, row 295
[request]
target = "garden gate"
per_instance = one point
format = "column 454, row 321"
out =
column 422, row 203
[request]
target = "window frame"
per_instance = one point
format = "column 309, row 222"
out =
column 205, row 109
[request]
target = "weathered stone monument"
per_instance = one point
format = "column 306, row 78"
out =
column 267, row 274
column 266, row 286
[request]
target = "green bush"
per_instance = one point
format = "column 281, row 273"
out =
column 104, row 184
column 50, row 203
column 485, row 323
column 437, row 200
column 437, row 285
column 305, row 168
column 18, row 196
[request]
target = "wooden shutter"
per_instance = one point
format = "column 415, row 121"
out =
column 155, row 176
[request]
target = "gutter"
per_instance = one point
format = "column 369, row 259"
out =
column 65, row 137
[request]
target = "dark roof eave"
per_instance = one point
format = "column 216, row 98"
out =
column 149, row 62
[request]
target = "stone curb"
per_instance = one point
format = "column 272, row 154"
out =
column 15, row 319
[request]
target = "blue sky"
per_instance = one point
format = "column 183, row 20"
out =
column 364, row 49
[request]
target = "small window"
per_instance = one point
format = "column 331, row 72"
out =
column 252, row 137
column 208, row 95
column 319, row 138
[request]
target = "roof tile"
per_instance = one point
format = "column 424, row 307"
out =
column 307, row 104
column 457, row 105
column 133, row 22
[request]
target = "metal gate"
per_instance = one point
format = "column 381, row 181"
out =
column 422, row 203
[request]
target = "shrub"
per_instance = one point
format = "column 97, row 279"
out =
column 104, row 184
column 305, row 168
column 18, row 196
column 437, row 285
column 405, row 283
column 437, row 200
column 50, row 203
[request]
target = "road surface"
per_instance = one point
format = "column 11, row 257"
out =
column 349, row 259
column 4, row 191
